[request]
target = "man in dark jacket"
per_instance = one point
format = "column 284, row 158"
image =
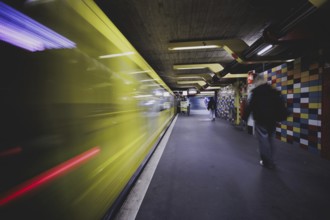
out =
column 211, row 107
column 264, row 108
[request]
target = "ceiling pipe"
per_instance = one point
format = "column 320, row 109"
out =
column 282, row 28
column 274, row 32
column 273, row 35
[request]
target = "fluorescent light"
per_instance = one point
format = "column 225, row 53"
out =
column 207, row 92
column 191, row 68
column 200, row 82
column 184, row 93
column 290, row 60
column 214, row 67
column 192, row 92
column 24, row 32
column 115, row 55
column 194, row 47
column 237, row 75
column 190, row 77
column 213, row 87
column 267, row 48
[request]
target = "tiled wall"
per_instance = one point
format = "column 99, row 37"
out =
column 300, row 83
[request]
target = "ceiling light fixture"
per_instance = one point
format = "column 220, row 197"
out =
column 264, row 50
column 213, row 87
column 214, row 67
column 194, row 47
column 24, row 32
column 201, row 83
column 189, row 77
column 236, row 75
column 233, row 47
column 191, row 68
column 192, row 91
column 207, row 92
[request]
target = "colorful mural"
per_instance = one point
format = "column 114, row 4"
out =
column 225, row 103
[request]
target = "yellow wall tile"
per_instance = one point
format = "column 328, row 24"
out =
column 314, row 77
column 315, row 88
column 297, row 90
column 297, row 130
column 305, row 116
column 305, row 79
column 313, row 105
column 305, row 74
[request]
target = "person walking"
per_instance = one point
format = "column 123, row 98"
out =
column 211, row 107
column 266, row 104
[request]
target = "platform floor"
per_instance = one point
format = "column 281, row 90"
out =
column 209, row 170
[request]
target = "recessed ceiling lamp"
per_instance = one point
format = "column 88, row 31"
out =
column 265, row 49
column 24, row 32
column 195, row 45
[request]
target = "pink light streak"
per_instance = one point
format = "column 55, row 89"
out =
column 10, row 152
column 49, row 175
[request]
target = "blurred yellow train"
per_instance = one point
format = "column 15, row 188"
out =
column 81, row 111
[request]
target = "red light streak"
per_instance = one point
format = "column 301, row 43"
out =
column 49, row 175
column 11, row 151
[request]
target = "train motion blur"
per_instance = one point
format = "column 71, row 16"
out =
column 80, row 110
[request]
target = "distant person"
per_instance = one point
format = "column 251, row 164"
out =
column 211, row 108
column 267, row 107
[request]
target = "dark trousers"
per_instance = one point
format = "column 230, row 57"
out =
column 266, row 148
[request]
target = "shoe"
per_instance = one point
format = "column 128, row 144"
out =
column 269, row 166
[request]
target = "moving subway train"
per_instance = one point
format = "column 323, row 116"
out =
column 80, row 110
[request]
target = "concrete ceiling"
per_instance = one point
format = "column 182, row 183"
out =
column 241, row 28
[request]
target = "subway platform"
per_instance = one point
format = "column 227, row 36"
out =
column 209, row 170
